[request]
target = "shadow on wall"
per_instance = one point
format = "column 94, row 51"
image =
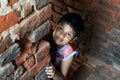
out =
column 83, row 45
column 81, row 73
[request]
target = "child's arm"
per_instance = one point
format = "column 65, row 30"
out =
column 64, row 69
column 66, row 65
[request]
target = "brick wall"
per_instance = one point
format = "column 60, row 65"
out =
column 23, row 24
column 100, row 41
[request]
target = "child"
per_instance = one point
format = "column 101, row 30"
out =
column 62, row 51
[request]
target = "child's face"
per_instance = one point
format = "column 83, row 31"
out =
column 63, row 34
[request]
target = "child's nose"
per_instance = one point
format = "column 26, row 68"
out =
column 62, row 35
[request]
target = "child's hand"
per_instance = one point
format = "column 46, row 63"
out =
column 50, row 71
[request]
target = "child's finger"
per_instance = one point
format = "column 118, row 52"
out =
column 50, row 75
column 50, row 67
column 49, row 71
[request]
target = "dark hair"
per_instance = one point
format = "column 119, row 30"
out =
column 74, row 20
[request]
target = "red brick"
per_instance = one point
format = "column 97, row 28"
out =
column 101, row 10
column 11, row 2
column 37, row 19
column 26, row 9
column 69, row 2
column 43, row 50
column 76, row 11
column 41, row 3
column 45, row 13
column 30, row 48
column 86, row 3
column 27, row 44
column 55, row 20
column 39, row 66
column 20, row 59
column 102, row 15
column 77, row 5
column 27, row 49
column 103, row 21
column 10, row 77
column 118, row 18
column 29, row 74
column 40, row 32
column 84, row 71
column 105, row 27
column 56, row 15
column 34, row 20
column 57, row 9
column 17, row 8
column 29, row 63
column 106, row 6
column 8, row 21
column 18, row 72
column 5, row 44
column 59, row 4
column 23, row 28
column 115, row 24
column 115, row 1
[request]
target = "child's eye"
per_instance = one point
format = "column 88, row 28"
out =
column 60, row 28
column 68, row 34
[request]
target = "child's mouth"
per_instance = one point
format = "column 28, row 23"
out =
column 58, row 39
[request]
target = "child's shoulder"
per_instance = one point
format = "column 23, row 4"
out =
column 68, row 49
column 72, row 46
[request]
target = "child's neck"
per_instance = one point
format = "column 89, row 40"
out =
column 58, row 47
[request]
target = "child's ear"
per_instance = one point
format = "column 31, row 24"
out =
column 73, row 39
